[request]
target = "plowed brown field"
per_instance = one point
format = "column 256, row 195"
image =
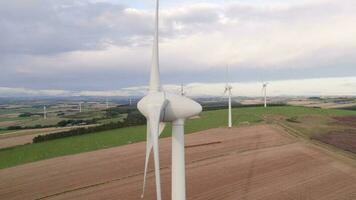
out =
column 259, row 162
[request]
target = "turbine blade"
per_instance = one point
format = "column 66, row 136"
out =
column 155, row 84
column 149, row 146
column 154, row 128
column 162, row 125
column 148, row 152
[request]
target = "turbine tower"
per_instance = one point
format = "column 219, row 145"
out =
column 107, row 103
column 44, row 112
column 264, row 91
column 160, row 107
column 228, row 89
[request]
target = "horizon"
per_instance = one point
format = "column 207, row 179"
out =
column 344, row 86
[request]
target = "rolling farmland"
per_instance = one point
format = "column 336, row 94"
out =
column 306, row 126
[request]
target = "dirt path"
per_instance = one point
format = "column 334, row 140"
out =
column 249, row 163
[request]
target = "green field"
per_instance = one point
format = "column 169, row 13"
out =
column 4, row 131
column 4, row 119
column 209, row 119
column 19, row 110
column 86, row 115
column 10, row 117
column 38, row 120
column 113, row 120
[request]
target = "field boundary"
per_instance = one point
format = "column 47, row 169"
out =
column 331, row 150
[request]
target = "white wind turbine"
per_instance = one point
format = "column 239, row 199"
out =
column 107, row 103
column 44, row 112
column 228, row 89
column 264, row 91
column 80, row 106
column 184, row 90
column 159, row 107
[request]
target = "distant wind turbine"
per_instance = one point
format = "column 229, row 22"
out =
column 184, row 89
column 44, row 112
column 228, row 89
column 264, row 91
column 160, row 107
column 107, row 103
column 182, row 92
column 80, row 106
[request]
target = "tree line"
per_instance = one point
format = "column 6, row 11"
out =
column 133, row 119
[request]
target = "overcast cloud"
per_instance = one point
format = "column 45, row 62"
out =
column 105, row 45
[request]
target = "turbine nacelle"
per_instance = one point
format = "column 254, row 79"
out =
column 146, row 104
column 228, row 88
column 264, row 85
column 174, row 106
column 180, row 107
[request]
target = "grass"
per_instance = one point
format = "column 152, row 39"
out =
column 4, row 131
column 38, row 120
column 121, row 118
column 4, row 119
column 86, row 115
column 19, row 110
column 209, row 119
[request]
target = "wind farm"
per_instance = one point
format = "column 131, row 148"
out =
column 158, row 139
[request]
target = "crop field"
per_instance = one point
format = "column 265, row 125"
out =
column 4, row 131
column 251, row 162
column 11, row 114
column 18, row 110
column 113, row 120
column 86, row 115
column 295, row 117
column 340, row 103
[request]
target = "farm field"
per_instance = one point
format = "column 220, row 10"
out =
column 5, row 131
column 31, row 115
column 296, row 118
column 22, row 137
column 324, row 102
column 253, row 162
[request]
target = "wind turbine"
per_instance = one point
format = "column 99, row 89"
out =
column 159, row 107
column 184, row 89
column 107, row 103
column 264, row 91
column 44, row 112
column 228, row 89
column 182, row 92
column 80, row 106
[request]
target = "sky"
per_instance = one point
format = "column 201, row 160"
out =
column 103, row 47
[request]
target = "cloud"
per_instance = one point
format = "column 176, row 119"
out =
column 45, row 40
